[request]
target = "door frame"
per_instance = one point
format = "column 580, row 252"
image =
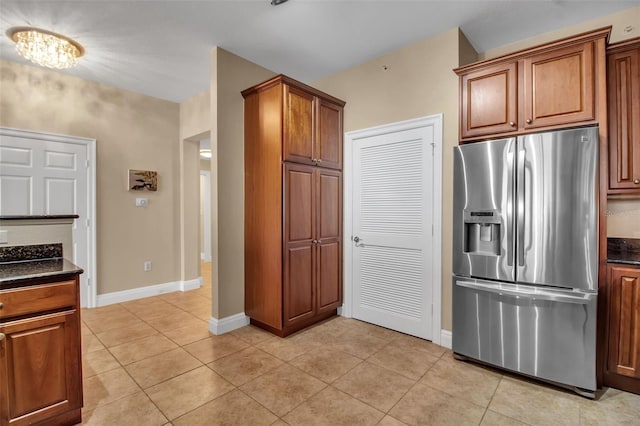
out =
column 206, row 191
column 350, row 138
column 90, row 245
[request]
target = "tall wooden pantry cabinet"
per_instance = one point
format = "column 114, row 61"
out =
column 293, row 205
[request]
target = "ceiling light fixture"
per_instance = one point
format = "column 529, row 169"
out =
column 46, row 48
column 205, row 153
column 277, row 2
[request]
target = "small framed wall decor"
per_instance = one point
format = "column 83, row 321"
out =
column 143, row 180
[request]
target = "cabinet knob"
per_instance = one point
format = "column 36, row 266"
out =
column 512, row 124
column 636, row 181
column 318, row 161
column 1, row 305
column 314, row 241
column 2, row 336
column 529, row 121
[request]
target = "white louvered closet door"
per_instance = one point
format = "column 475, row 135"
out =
column 392, row 218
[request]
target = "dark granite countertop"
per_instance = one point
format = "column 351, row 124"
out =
column 623, row 250
column 19, row 264
column 14, row 272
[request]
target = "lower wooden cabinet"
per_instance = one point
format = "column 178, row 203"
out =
column 40, row 361
column 622, row 362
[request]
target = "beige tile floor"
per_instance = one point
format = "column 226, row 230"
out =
column 153, row 362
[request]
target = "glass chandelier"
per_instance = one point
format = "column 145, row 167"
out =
column 45, row 47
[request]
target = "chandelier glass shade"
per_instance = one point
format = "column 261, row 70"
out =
column 46, row 48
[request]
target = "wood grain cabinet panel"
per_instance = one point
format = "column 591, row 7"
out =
column 623, row 359
column 40, row 358
column 559, row 87
column 623, row 85
column 299, row 114
column 489, row 100
column 293, row 205
column 329, row 146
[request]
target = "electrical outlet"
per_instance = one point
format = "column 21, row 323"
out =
column 147, row 266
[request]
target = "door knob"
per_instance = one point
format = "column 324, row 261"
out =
column 356, row 239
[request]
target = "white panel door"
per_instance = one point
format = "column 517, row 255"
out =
column 42, row 177
column 392, row 230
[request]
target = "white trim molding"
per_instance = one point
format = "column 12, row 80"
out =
column 191, row 284
column 146, row 291
column 446, row 338
column 227, row 324
column 434, row 121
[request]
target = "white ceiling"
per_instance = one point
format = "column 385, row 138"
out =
column 162, row 48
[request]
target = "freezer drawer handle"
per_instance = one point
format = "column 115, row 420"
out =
column 539, row 294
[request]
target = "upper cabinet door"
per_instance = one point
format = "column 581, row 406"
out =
column 559, row 87
column 328, row 149
column 299, row 117
column 623, row 83
column 489, row 101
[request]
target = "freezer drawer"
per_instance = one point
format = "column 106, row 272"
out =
column 538, row 331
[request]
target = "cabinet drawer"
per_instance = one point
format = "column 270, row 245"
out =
column 26, row 300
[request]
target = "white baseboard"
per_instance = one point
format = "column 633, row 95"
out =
column 191, row 284
column 147, row 291
column 445, row 338
column 227, row 324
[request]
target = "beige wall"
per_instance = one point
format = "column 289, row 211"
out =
column 28, row 232
column 195, row 116
column 619, row 21
column 623, row 218
column 132, row 131
column 230, row 74
column 419, row 82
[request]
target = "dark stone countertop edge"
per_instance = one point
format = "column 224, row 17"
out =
column 624, row 262
column 40, row 217
column 12, row 274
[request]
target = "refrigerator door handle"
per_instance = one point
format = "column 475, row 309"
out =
column 510, row 204
column 536, row 293
column 520, row 201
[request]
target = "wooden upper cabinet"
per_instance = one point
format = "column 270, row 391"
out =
column 329, row 135
column 559, row 87
column 623, row 85
column 489, row 100
column 299, row 118
column 555, row 85
column 312, row 128
column 623, row 360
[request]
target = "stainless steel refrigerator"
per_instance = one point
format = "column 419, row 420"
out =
column 525, row 255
